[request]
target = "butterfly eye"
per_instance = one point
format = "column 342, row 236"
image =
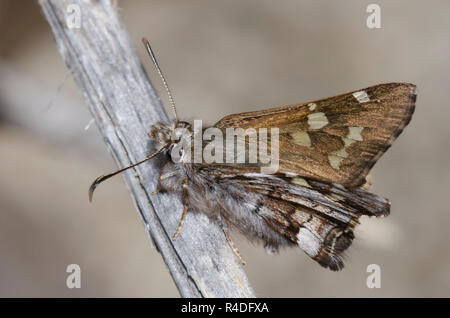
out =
column 177, row 134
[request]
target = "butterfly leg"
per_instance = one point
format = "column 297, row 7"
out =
column 183, row 215
column 180, row 225
column 163, row 177
column 233, row 247
column 230, row 242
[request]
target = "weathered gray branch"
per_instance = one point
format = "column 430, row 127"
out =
column 125, row 105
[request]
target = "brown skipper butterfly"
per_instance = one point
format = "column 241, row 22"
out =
column 319, row 190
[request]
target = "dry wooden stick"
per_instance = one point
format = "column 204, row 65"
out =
column 125, row 105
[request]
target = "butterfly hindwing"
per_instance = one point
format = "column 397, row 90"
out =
column 316, row 216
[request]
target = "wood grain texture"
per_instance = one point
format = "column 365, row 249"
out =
column 124, row 105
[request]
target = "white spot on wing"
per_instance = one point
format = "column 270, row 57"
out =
column 301, row 182
column 361, row 96
column 301, row 138
column 355, row 133
column 308, row 242
column 340, row 153
column 317, row 120
column 347, row 141
column 335, row 158
column 335, row 161
column 312, row 106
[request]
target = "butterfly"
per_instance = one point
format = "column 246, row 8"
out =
column 320, row 190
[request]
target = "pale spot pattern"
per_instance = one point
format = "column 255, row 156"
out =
column 301, row 138
column 301, row 182
column 361, row 96
column 317, row 120
column 355, row 133
column 308, row 242
column 347, row 141
column 335, row 158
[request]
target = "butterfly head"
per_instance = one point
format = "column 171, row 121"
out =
column 170, row 134
column 173, row 137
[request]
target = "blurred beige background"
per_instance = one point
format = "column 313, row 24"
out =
column 222, row 57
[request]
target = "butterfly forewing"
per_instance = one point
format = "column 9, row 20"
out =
column 336, row 139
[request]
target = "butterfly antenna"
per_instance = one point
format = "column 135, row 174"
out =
column 155, row 62
column 107, row 176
